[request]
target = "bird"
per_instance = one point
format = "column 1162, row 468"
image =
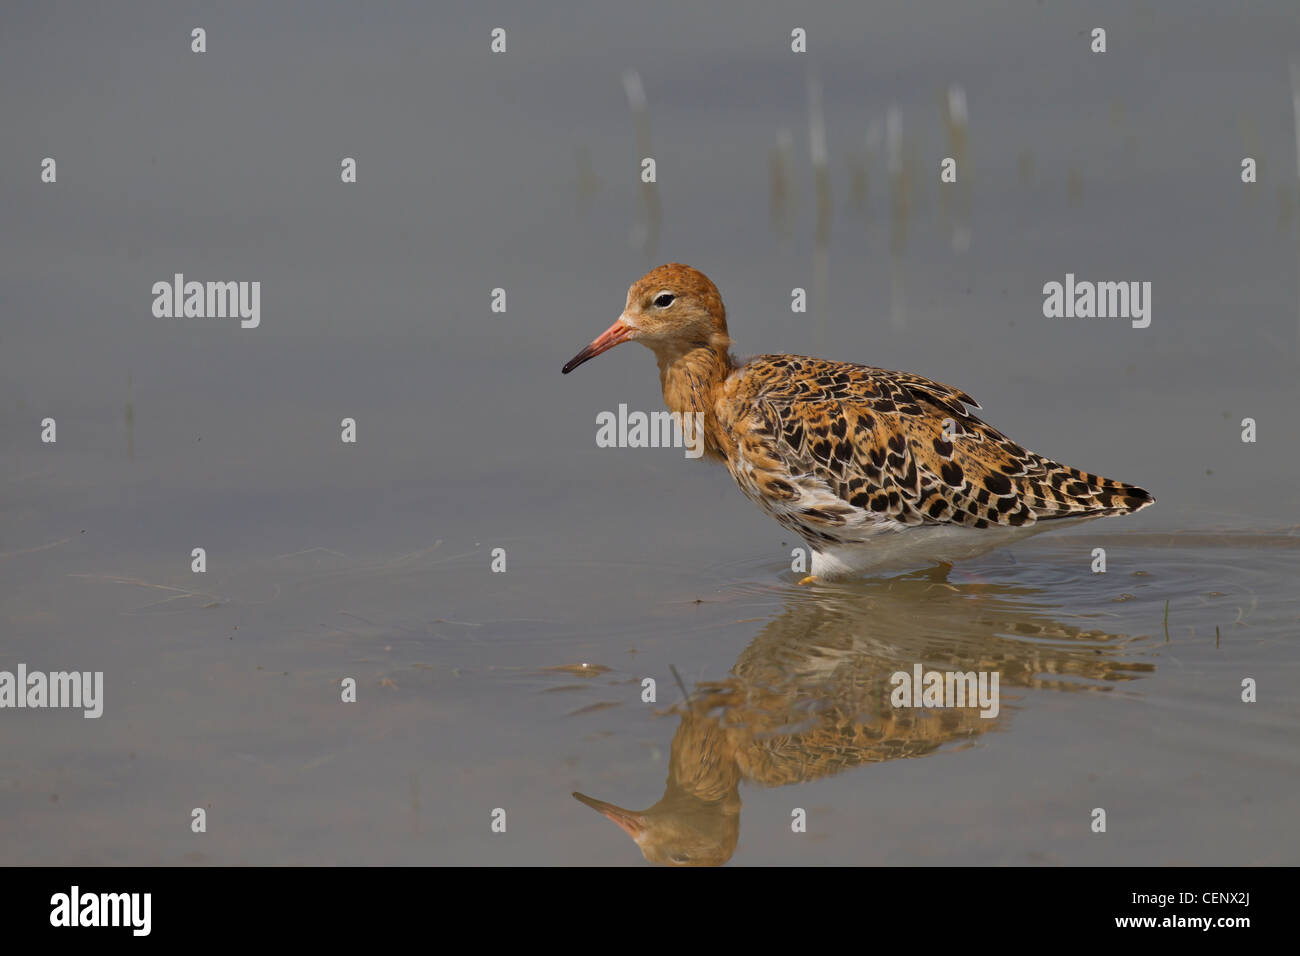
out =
column 872, row 469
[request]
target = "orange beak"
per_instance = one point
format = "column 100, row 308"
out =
column 632, row 823
column 616, row 334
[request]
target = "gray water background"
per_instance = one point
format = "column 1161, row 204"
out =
column 372, row 560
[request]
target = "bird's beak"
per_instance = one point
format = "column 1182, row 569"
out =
column 617, row 333
column 631, row 823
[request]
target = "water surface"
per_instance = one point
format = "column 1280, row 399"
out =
column 374, row 560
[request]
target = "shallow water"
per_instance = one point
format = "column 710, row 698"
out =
column 466, row 711
column 374, row 560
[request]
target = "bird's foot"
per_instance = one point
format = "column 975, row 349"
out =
column 810, row 579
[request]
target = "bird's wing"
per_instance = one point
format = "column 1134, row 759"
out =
column 834, row 446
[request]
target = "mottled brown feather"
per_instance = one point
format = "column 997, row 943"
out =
column 876, row 439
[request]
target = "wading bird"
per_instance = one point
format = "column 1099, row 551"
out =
column 871, row 468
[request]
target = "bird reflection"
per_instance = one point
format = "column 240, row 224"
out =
column 810, row 697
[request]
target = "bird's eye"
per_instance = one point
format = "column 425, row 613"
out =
column 664, row 299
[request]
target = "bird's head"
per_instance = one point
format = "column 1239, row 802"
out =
column 679, row 830
column 671, row 310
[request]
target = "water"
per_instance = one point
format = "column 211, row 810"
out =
column 373, row 561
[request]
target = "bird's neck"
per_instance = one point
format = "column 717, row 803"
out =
column 691, row 379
